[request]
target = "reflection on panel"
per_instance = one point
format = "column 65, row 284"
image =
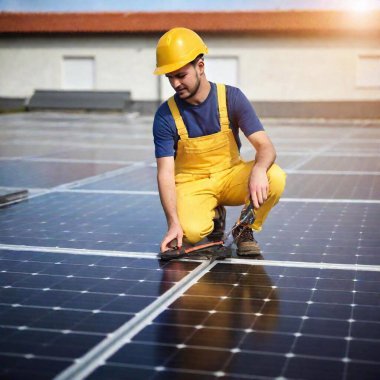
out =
column 242, row 321
column 55, row 307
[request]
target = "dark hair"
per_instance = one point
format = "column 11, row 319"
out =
column 198, row 58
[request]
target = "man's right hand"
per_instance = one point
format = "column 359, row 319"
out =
column 175, row 232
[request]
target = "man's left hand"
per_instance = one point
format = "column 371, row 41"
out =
column 258, row 186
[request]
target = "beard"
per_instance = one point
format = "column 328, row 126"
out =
column 192, row 91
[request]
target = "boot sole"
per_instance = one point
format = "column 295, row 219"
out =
column 248, row 252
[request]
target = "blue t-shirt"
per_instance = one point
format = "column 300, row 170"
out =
column 203, row 119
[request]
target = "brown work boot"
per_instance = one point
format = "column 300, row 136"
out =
column 219, row 224
column 246, row 243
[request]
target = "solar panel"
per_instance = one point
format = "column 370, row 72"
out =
column 55, row 307
column 111, row 154
column 65, row 291
column 333, row 186
column 85, row 221
column 336, row 163
column 48, row 174
column 143, row 179
column 253, row 321
column 309, row 232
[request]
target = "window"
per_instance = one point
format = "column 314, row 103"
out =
column 78, row 73
column 368, row 71
column 222, row 70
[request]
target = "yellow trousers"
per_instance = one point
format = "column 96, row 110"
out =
column 199, row 194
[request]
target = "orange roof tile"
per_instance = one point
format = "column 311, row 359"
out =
column 226, row 22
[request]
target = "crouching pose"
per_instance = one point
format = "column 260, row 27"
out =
column 197, row 147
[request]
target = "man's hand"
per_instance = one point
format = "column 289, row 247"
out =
column 175, row 232
column 258, row 186
column 167, row 190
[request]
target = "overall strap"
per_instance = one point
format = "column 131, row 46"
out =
column 222, row 105
column 181, row 128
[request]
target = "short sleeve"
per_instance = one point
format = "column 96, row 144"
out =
column 241, row 112
column 164, row 132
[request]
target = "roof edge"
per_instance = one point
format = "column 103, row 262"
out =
column 309, row 21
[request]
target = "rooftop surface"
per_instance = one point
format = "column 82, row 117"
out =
column 83, row 294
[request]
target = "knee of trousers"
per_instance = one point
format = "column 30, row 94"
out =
column 193, row 234
column 277, row 180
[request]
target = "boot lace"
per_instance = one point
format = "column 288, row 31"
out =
column 243, row 233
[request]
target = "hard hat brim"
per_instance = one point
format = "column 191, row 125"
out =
column 169, row 68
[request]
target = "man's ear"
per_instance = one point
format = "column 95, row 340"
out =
column 201, row 66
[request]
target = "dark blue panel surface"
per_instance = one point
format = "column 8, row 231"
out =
column 243, row 321
column 309, row 232
column 333, row 186
column 116, row 153
column 85, row 221
column 49, row 316
column 141, row 179
column 321, row 232
column 237, row 321
column 48, row 174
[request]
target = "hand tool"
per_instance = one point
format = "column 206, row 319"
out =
column 206, row 249
column 246, row 218
column 216, row 249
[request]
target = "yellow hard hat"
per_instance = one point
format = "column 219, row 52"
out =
column 176, row 48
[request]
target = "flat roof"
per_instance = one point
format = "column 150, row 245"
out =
column 213, row 22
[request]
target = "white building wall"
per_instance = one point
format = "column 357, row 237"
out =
column 299, row 68
column 121, row 63
column 270, row 68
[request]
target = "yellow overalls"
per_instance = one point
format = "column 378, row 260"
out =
column 210, row 172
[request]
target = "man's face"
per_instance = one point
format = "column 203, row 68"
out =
column 185, row 81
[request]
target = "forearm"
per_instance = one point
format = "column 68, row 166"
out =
column 167, row 191
column 265, row 152
column 265, row 156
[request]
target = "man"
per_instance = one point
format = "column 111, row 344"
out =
column 196, row 135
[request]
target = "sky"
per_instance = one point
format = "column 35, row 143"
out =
column 181, row 5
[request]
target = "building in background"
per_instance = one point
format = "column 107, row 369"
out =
column 288, row 63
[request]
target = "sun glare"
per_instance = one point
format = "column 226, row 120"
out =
column 361, row 5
